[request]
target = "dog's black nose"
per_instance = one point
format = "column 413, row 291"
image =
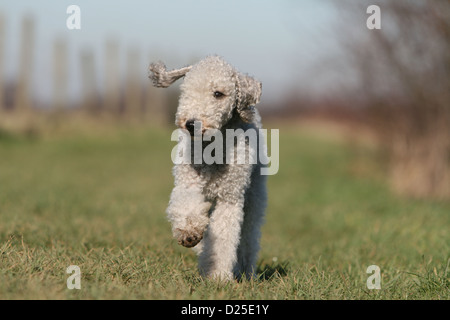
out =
column 190, row 125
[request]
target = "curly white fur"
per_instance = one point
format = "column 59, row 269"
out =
column 218, row 209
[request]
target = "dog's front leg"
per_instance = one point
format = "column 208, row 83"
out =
column 219, row 254
column 188, row 210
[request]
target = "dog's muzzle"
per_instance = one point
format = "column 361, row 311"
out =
column 195, row 127
column 190, row 126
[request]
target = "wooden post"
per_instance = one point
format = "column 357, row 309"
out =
column 133, row 91
column 23, row 94
column 89, row 84
column 111, row 100
column 2, row 46
column 59, row 102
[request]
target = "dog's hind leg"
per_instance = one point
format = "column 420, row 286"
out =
column 255, row 205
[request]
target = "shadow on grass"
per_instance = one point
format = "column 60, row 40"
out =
column 273, row 270
column 265, row 272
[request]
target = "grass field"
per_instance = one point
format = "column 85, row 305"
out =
column 97, row 200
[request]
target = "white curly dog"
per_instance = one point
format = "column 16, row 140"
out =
column 217, row 208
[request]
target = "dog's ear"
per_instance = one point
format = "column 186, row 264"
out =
column 248, row 95
column 162, row 78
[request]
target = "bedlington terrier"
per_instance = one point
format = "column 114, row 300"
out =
column 217, row 209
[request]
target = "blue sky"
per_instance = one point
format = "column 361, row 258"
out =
column 279, row 42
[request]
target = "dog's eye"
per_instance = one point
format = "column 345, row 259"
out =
column 218, row 94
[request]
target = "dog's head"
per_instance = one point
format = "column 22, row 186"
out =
column 211, row 93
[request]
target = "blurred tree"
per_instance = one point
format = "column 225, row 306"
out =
column 404, row 70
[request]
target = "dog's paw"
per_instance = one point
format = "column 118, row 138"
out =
column 188, row 239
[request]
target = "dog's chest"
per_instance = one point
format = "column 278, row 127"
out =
column 214, row 179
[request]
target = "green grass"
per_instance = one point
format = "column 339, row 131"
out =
column 98, row 200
